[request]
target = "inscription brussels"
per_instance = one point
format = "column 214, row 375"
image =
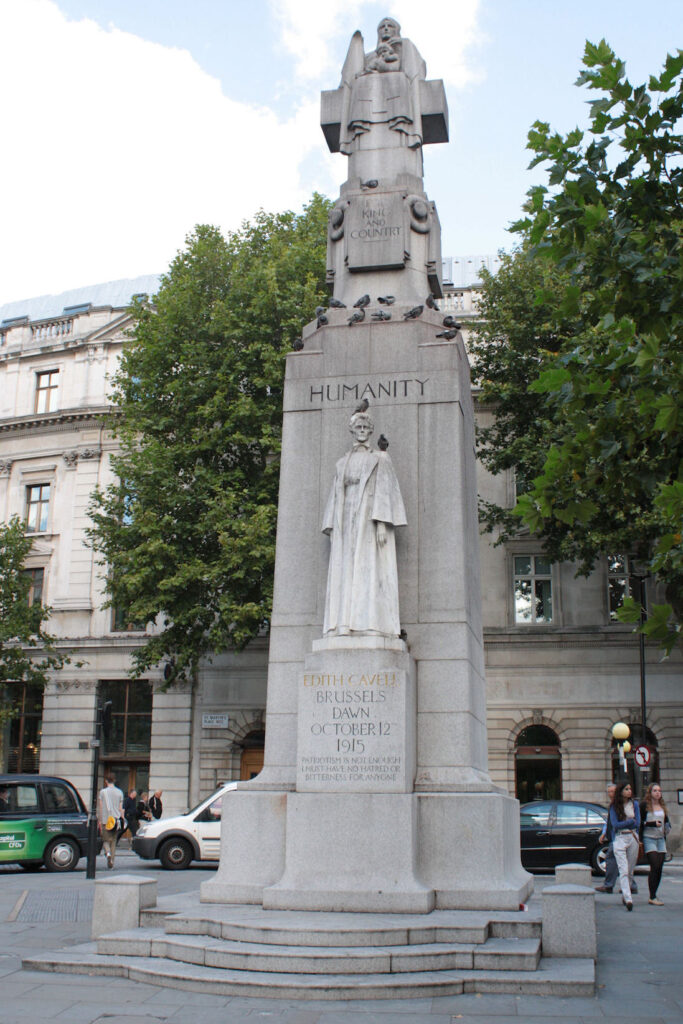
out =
column 406, row 387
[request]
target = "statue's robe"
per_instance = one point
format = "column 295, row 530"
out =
column 377, row 97
column 362, row 581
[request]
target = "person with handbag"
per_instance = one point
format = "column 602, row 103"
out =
column 110, row 816
column 654, row 828
column 611, row 869
column 624, row 820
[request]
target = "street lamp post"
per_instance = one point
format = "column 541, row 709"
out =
column 621, row 732
column 102, row 722
column 642, row 597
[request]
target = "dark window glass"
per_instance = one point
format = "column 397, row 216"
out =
column 37, row 578
column 25, row 728
column 58, row 799
column 571, row 814
column 122, row 623
column 215, row 808
column 536, row 815
column 131, row 718
column 37, row 507
column 20, row 798
column 537, row 736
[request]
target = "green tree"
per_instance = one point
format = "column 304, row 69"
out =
column 27, row 651
column 609, row 225
column 187, row 533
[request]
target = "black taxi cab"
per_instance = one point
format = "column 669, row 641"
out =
column 43, row 821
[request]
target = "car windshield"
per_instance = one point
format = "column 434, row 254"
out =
column 206, row 799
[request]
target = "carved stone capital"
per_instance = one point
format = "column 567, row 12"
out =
column 5, row 467
column 72, row 457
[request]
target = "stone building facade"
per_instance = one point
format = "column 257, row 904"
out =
column 560, row 670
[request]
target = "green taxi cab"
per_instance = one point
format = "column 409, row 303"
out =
column 43, row 820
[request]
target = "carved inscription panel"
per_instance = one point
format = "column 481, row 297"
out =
column 352, row 732
column 375, row 232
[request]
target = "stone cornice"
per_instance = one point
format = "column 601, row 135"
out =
column 58, row 420
column 559, row 637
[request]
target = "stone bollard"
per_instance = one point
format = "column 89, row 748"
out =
column 118, row 902
column 573, row 874
column 568, row 921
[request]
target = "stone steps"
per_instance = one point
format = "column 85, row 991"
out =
column 494, row 954
column 302, row 928
column 558, row 977
column 244, row 950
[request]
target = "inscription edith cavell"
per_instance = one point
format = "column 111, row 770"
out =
column 351, row 731
column 376, row 233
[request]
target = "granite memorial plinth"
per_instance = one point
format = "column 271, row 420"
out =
column 375, row 793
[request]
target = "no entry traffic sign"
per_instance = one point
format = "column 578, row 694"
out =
column 642, row 756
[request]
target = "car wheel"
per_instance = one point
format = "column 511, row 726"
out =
column 598, row 860
column 175, row 854
column 62, row 855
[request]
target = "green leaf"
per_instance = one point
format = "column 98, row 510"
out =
column 550, row 380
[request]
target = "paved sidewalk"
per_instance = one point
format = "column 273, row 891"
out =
column 640, row 967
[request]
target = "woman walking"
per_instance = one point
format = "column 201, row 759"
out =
column 654, row 828
column 624, row 818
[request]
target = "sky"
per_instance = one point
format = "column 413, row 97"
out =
column 127, row 122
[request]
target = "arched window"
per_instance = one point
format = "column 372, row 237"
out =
column 639, row 778
column 538, row 764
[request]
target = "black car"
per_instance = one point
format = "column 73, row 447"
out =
column 42, row 821
column 562, row 832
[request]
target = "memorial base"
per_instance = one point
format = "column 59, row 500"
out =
column 350, row 852
column 469, row 851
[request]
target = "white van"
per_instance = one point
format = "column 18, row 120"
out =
column 177, row 841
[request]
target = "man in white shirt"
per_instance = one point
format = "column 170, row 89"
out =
column 109, row 805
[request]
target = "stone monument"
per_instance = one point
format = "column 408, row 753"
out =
column 375, row 793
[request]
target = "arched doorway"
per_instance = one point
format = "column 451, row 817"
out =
column 639, row 778
column 538, row 765
column 251, row 761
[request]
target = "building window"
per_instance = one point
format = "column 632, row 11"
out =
column 127, row 747
column 617, row 582
column 46, row 390
column 121, row 623
column 533, row 589
column 25, row 728
column 37, row 579
column 37, row 507
column 131, row 717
